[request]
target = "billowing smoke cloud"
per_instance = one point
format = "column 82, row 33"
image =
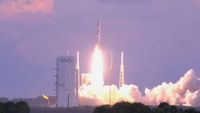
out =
column 183, row 92
column 186, row 91
column 17, row 7
column 109, row 94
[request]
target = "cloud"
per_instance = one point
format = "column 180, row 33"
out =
column 186, row 91
column 18, row 7
column 109, row 94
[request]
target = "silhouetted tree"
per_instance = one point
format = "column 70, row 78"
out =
column 190, row 110
column 163, row 104
column 102, row 109
column 122, row 107
column 126, row 107
column 2, row 109
column 175, row 109
column 10, row 107
column 139, row 108
column 165, row 107
column 22, row 107
column 157, row 110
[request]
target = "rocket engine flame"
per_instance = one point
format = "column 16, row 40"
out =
column 97, row 93
column 97, row 68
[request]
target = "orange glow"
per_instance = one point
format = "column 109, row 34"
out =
column 97, row 68
column 45, row 97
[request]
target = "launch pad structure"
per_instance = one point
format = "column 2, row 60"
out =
column 69, row 80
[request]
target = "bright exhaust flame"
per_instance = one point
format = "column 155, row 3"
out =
column 97, row 68
column 97, row 93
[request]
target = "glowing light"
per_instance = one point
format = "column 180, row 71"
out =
column 45, row 97
column 97, row 68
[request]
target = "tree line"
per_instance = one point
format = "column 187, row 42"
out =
column 12, row 107
column 79, row 109
column 126, row 107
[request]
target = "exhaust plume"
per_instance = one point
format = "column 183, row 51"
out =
column 186, row 91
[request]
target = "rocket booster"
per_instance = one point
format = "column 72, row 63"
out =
column 78, row 71
column 77, row 80
column 77, row 60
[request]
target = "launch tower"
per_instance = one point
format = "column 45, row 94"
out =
column 65, row 81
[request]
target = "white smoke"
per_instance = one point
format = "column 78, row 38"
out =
column 109, row 94
column 186, row 91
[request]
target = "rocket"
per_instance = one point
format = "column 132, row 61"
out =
column 98, row 32
column 121, row 77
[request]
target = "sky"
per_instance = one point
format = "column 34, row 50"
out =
column 160, row 40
